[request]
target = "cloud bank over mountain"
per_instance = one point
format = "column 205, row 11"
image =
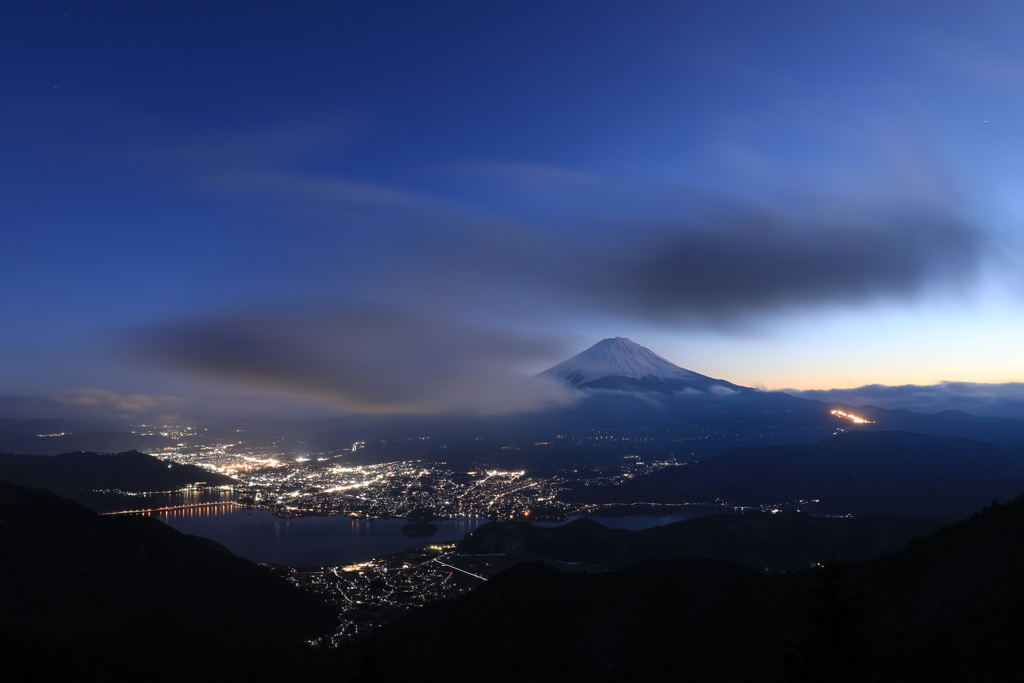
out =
column 985, row 400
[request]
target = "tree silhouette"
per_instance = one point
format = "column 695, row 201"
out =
column 835, row 650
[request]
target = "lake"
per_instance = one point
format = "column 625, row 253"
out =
column 335, row 539
column 307, row 541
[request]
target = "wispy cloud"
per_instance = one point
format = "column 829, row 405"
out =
column 717, row 267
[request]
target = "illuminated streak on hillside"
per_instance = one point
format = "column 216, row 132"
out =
column 854, row 418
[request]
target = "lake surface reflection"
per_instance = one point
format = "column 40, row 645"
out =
column 638, row 522
column 336, row 539
column 302, row 541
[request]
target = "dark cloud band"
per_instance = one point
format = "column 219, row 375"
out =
column 365, row 358
column 725, row 273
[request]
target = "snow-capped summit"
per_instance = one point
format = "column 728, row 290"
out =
column 620, row 357
column 620, row 363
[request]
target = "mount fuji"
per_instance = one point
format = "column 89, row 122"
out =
column 621, row 364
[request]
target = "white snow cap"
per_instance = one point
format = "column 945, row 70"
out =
column 618, row 357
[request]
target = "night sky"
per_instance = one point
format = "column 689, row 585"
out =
column 414, row 206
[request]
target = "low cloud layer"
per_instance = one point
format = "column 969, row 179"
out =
column 100, row 409
column 984, row 400
column 90, row 404
column 363, row 358
column 110, row 402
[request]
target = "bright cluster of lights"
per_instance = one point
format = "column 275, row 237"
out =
column 349, row 485
column 356, row 567
column 853, row 418
column 250, row 463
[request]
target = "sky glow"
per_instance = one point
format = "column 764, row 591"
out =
column 412, row 207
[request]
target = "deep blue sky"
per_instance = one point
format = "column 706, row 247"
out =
column 399, row 205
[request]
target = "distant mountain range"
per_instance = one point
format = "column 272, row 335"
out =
column 640, row 404
column 859, row 472
column 61, row 441
column 623, row 366
column 637, row 402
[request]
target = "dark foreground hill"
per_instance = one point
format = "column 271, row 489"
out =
column 895, row 473
column 78, row 475
column 85, row 597
column 787, row 541
column 948, row 607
